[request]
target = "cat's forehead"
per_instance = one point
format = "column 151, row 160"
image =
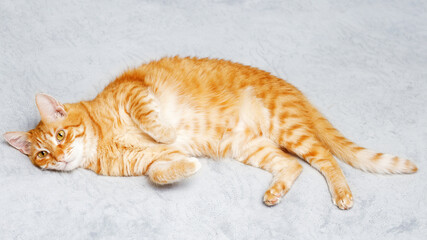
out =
column 43, row 134
column 46, row 132
column 73, row 119
column 46, row 128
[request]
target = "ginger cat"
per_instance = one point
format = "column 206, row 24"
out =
column 154, row 120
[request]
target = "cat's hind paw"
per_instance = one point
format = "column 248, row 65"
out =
column 274, row 194
column 271, row 198
column 343, row 200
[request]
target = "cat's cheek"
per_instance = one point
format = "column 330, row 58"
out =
column 75, row 155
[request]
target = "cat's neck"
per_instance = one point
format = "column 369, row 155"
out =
column 91, row 136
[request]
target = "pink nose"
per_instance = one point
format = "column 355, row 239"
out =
column 61, row 158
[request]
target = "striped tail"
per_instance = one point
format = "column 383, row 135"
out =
column 354, row 155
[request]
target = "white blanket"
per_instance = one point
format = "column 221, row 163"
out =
column 363, row 63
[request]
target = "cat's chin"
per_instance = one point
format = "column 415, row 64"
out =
column 71, row 165
column 64, row 166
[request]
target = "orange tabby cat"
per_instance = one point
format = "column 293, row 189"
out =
column 154, row 120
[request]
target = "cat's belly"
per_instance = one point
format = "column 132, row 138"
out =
column 198, row 145
column 217, row 143
column 214, row 130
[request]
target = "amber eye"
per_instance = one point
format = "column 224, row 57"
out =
column 60, row 135
column 42, row 154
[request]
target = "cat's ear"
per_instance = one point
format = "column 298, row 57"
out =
column 50, row 109
column 19, row 140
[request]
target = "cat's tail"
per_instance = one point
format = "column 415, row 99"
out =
column 354, row 155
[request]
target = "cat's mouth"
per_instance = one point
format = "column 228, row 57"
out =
column 66, row 164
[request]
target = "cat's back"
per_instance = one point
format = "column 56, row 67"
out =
column 205, row 75
column 199, row 77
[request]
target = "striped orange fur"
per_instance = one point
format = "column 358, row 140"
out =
column 155, row 119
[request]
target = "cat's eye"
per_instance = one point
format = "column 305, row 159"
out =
column 42, row 154
column 60, row 135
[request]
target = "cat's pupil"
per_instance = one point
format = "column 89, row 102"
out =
column 42, row 154
column 60, row 135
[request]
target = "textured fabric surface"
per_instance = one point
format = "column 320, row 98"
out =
column 363, row 63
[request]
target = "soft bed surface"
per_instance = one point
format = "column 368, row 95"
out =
column 363, row 63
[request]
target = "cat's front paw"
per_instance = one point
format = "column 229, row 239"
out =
column 193, row 165
column 167, row 136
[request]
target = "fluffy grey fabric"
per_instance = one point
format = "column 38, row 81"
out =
column 363, row 63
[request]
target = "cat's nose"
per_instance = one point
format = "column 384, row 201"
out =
column 61, row 158
column 60, row 155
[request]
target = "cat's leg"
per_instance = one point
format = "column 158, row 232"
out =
column 173, row 169
column 263, row 153
column 144, row 109
column 162, row 163
column 301, row 141
column 169, row 165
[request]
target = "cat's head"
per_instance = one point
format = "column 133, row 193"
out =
column 57, row 142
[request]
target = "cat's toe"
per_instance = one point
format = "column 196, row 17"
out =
column 344, row 200
column 271, row 197
column 194, row 165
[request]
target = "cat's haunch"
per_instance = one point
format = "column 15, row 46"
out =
column 154, row 120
